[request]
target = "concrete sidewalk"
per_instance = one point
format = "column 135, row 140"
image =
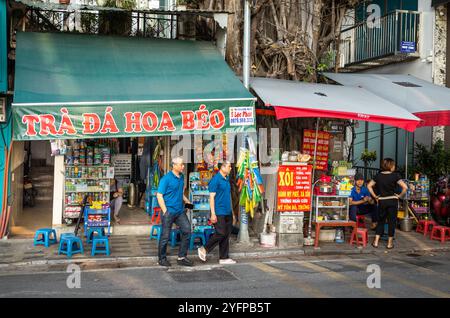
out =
column 21, row 252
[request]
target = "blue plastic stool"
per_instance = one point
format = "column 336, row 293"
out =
column 90, row 233
column 194, row 236
column 173, row 237
column 66, row 245
column 46, row 239
column 158, row 229
column 100, row 245
column 208, row 233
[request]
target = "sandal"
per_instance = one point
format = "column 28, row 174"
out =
column 373, row 244
column 390, row 247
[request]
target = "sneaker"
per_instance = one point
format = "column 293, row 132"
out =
column 202, row 253
column 164, row 262
column 227, row 261
column 185, row 262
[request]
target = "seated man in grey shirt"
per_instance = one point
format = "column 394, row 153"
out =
column 116, row 204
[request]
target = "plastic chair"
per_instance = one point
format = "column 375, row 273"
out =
column 194, row 236
column 46, row 238
column 100, row 245
column 66, row 246
column 91, row 231
column 440, row 233
column 158, row 229
column 360, row 236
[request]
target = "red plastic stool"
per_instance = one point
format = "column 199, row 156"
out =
column 360, row 221
column 440, row 233
column 361, row 235
column 424, row 226
column 156, row 217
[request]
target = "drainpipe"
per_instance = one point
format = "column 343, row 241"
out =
column 243, row 218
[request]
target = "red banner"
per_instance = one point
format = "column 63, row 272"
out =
column 294, row 188
column 323, row 144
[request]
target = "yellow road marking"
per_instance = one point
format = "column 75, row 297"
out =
column 345, row 279
column 402, row 281
column 293, row 281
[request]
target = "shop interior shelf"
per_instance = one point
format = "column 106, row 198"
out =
column 88, row 166
column 87, row 178
column 332, row 207
column 200, row 192
column 85, row 191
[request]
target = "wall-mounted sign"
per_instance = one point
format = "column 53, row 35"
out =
column 294, row 188
column 408, row 47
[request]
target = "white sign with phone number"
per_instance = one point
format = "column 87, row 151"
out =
column 242, row 116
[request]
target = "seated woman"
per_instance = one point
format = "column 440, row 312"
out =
column 361, row 202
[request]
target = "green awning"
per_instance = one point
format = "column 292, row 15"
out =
column 84, row 86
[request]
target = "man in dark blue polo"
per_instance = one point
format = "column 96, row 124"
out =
column 171, row 199
column 221, row 215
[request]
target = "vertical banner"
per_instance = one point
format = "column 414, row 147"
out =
column 294, row 188
column 323, row 147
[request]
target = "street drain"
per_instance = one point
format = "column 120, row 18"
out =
column 217, row 275
column 413, row 255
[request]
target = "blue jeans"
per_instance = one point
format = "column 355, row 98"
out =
column 362, row 210
column 167, row 220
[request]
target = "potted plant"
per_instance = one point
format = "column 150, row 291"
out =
column 368, row 157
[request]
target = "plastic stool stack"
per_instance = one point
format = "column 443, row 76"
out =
column 424, row 226
column 360, row 233
column 158, row 229
column 44, row 237
column 173, row 236
column 194, row 236
column 208, row 233
column 440, row 233
column 156, row 216
column 66, row 245
column 100, row 245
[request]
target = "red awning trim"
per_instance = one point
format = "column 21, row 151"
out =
column 435, row 118
column 292, row 112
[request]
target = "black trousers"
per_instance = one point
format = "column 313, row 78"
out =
column 221, row 236
column 387, row 210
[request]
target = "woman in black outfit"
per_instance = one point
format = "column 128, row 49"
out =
column 385, row 184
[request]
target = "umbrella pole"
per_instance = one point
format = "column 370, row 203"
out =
column 406, row 205
column 309, row 241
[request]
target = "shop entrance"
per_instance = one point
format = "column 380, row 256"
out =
column 32, row 187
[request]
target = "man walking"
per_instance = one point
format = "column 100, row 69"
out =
column 170, row 197
column 221, row 215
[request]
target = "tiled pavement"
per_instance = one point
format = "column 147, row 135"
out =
column 22, row 251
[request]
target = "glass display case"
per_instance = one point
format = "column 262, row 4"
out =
column 329, row 208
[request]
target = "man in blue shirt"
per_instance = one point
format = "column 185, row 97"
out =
column 171, row 199
column 361, row 202
column 221, row 215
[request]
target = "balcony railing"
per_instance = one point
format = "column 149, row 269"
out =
column 364, row 43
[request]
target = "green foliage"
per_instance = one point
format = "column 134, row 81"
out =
column 368, row 157
column 123, row 4
column 434, row 163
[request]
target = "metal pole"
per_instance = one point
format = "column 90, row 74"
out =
column 246, row 50
column 309, row 240
column 406, row 156
column 243, row 237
